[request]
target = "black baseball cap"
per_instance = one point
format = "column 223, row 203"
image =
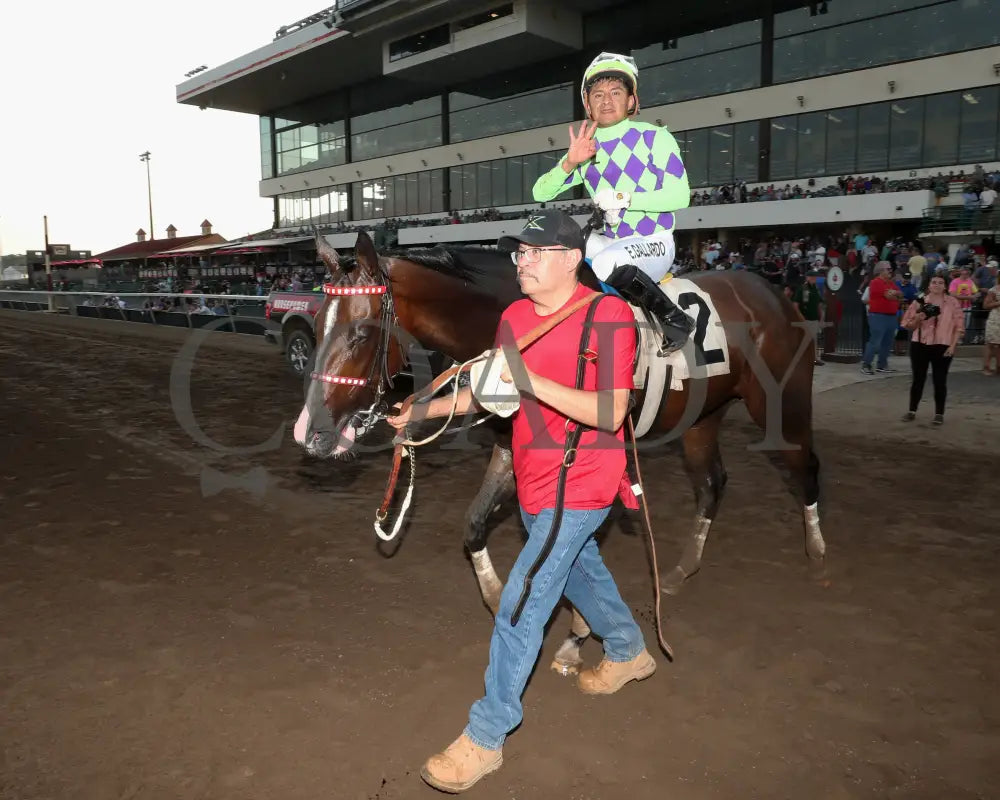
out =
column 546, row 228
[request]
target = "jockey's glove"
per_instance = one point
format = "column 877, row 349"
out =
column 613, row 203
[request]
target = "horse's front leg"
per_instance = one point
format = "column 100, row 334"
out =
column 498, row 487
column 567, row 660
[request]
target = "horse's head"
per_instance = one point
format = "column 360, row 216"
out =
column 357, row 352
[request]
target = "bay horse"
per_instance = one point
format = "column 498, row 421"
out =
column 450, row 300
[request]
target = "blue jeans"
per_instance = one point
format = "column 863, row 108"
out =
column 574, row 568
column 882, row 330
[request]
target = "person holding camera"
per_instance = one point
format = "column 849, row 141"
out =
column 938, row 323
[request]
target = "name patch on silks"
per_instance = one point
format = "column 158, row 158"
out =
column 646, row 249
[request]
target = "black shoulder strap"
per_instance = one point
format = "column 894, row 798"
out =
column 569, row 456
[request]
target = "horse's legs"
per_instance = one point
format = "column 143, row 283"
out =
column 704, row 467
column 567, row 660
column 498, row 487
column 802, row 461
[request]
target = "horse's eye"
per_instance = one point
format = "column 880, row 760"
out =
column 359, row 336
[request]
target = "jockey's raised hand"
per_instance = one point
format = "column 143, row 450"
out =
column 582, row 146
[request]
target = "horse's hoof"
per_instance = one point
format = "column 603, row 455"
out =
column 817, row 570
column 674, row 582
column 566, row 668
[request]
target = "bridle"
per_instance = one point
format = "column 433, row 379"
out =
column 378, row 372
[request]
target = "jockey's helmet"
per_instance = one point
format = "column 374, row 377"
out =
column 612, row 65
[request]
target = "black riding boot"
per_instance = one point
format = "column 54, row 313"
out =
column 638, row 288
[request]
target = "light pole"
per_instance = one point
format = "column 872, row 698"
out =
column 149, row 191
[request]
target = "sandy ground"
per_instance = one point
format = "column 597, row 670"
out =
column 162, row 636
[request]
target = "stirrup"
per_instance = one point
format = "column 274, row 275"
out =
column 671, row 345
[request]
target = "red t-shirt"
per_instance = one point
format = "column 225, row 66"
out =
column 878, row 303
column 539, row 431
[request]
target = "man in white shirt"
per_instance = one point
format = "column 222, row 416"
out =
column 987, row 197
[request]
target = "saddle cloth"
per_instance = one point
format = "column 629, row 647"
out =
column 705, row 354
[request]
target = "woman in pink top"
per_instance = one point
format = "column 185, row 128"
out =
column 938, row 323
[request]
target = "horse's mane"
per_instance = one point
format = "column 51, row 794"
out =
column 486, row 269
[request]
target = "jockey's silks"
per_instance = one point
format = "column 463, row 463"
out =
column 633, row 157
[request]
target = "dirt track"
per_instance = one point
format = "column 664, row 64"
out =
column 156, row 642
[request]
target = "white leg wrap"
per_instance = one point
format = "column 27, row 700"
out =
column 489, row 583
column 702, row 526
column 814, row 536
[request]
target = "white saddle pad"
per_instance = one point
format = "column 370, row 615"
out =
column 704, row 355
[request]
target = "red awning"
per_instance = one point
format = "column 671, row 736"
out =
column 78, row 262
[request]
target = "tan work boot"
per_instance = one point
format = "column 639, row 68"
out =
column 610, row 676
column 460, row 766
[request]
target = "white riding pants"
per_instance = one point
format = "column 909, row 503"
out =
column 653, row 254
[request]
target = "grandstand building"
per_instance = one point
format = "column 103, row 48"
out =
column 378, row 109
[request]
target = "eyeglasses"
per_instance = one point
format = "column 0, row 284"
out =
column 532, row 254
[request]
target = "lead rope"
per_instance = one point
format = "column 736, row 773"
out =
column 405, row 448
column 652, row 544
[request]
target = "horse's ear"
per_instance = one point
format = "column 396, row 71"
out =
column 364, row 252
column 328, row 254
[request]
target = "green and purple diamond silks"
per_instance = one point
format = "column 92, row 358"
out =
column 633, row 157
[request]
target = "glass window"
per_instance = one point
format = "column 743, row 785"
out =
column 957, row 25
column 419, row 42
column 873, row 137
column 437, row 190
column 837, row 12
column 413, row 195
column 784, row 137
column 498, row 180
column 332, row 144
column 841, row 140
column 484, row 192
column 396, row 139
column 424, row 193
column 469, row 186
column 746, row 138
column 419, row 109
column 811, row 145
column 906, row 134
column 941, row 122
column 696, row 158
column 357, row 210
column 473, row 117
column 698, row 44
column 400, row 197
column 515, row 192
column 530, row 175
column 978, row 137
column 455, row 187
column 715, row 73
column 266, row 155
column 720, row 155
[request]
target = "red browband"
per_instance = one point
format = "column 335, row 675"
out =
column 319, row 376
column 345, row 291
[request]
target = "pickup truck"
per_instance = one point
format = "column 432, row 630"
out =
column 294, row 313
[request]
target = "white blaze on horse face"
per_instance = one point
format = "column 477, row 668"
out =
column 302, row 425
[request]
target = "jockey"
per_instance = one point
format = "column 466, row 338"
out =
column 634, row 173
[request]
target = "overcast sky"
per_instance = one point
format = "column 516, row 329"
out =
column 87, row 87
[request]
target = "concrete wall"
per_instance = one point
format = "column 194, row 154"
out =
column 846, row 210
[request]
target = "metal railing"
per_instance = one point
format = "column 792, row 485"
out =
column 242, row 313
column 951, row 219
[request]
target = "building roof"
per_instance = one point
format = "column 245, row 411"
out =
column 148, row 249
